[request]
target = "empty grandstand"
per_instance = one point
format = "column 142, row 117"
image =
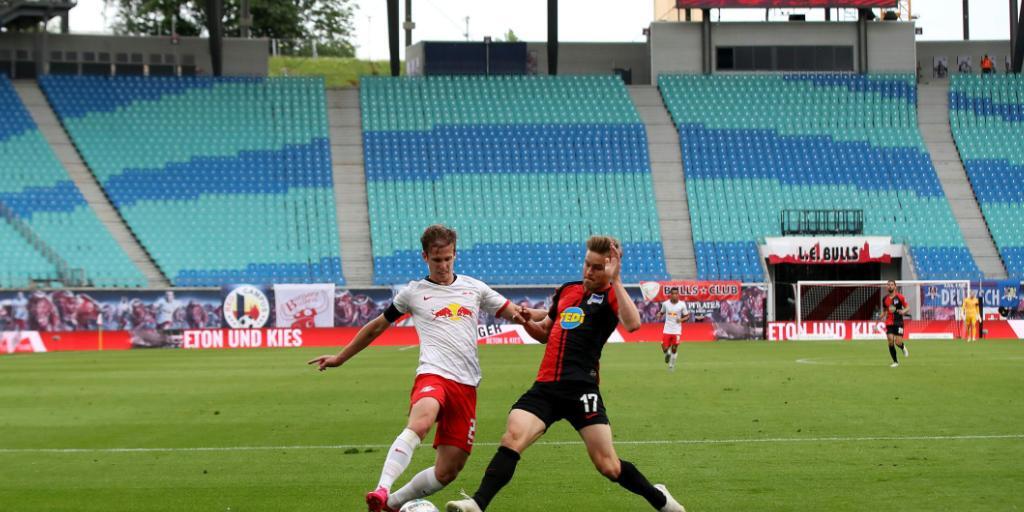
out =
column 37, row 195
column 524, row 167
column 754, row 145
column 221, row 179
column 986, row 114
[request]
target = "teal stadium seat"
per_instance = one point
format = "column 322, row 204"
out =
column 223, row 180
column 986, row 113
column 754, row 145
column 35, row 188
column 524, row 167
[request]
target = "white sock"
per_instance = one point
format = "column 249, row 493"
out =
column 673, row 360
column 422, row 485
column 399, row 456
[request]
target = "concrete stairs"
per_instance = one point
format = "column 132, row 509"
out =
column 933, row 121
column 34, row 99
column 346, row 133
column 669, row 184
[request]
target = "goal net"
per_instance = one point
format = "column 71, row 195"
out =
column 854, row 308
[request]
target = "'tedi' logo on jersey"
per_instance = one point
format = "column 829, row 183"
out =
column 572, row 318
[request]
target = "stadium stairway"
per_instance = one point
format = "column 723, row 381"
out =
column 669, row 184
column 933, row 121
column 60, row 143
column 346, row 135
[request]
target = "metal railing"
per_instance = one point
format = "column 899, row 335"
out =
column 821, row 222
column 67, row 275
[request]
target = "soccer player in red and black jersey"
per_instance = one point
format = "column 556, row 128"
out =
column 582, row 317
column 896, row 307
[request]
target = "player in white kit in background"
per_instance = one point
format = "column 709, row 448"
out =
column 675, row 313
column 444, row 307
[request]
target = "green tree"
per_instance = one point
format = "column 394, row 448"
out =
column 296, row 23
column 511, row 37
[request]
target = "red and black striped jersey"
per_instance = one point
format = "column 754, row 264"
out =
column 898, row 300
column 582, row 323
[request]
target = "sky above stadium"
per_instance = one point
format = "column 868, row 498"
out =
column 582, row 20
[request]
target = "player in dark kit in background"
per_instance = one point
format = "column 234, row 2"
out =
column 582, row 317
column 895, row 305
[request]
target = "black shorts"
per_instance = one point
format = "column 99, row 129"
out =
column 578, row 402
column 894, row 329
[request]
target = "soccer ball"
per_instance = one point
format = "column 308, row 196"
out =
column 418, row 506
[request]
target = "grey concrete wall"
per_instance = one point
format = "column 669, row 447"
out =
column 241, row 56
column 594, row 59
column 928, row 50
column 675, row 48
column 414, row 59
column 891, row 47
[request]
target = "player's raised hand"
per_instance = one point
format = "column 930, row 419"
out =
column 613, row 263
column 325, row 362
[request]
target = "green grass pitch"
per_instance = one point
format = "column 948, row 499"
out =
column 739, row 426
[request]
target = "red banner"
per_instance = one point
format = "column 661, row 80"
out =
column 692, row 291
column 762, row 4
column 860, row 330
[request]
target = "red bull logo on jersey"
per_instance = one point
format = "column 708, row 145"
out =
column 572, row 318
column 454, row 312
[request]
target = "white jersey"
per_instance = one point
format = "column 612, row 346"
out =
column 165, row 309
column 674, row 314
column 446, row 322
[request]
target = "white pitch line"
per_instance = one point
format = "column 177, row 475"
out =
column 410, row 347
column 542, row 443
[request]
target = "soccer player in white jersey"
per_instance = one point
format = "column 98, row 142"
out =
column 444, row 307
column 675, row 313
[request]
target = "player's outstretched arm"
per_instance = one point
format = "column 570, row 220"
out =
column 539, row 330
column 363, row 338
column 514, row 314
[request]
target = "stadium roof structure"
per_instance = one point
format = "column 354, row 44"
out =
column 26, row 13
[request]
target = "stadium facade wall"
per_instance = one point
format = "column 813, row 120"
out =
column 573, row 59
column 676, row 47
column 595, row 59
column 248, row 57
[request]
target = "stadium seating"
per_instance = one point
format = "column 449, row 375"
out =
column 222, row 179
column 754, row 145
column 986, row 113
column 35, row 188
column 525, row 168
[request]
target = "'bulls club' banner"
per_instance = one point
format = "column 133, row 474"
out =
column 692, row 291
column 302, row 306
column 830, row 250
column 719, row 4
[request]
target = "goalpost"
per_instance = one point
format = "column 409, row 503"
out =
column 822, row 306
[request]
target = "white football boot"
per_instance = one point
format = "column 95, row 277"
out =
column 466, row 504
column 671, row 505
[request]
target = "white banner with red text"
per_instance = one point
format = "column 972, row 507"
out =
column 304, row 305
column 830, row 250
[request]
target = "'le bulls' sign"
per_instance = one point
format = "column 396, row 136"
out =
column 828, row 250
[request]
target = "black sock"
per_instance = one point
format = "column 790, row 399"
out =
column 892, row 352
column 498, row 473
column 635, row 482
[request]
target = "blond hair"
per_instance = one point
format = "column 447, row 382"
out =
column 602, row 244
